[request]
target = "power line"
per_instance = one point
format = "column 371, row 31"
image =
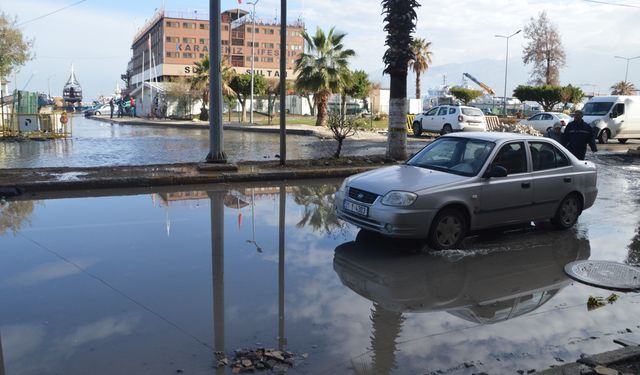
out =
column 614, row 4
column 54, row 12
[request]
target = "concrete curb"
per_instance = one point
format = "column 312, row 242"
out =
column 48, row 179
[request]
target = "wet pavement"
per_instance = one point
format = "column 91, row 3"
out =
column 96, row 143
column 157, row 283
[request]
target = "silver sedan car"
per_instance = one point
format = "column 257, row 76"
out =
column 465, row 182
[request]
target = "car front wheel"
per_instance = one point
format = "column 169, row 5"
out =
column 568, row 212
column 97, row 113
column 417, row 129
column 448, row 229
column 603, row 138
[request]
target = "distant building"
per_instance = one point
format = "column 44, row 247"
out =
column 179, row 39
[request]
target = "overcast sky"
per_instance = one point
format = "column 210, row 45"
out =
column 96, row 36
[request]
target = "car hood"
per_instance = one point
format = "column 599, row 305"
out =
column 402, row 177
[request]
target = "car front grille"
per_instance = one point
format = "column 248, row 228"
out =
column 362, row 196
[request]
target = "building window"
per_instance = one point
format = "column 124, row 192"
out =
column 204, row 26
column 202, row 55
column 268, row 31
column 237, row 42
column 224, row 42
column 296, row 33
column 173, row 54
column 189, row 40
column 173, row 39
column 188, row 25
column 267, row 59
column 255, row 44
column 173, row 24
column 225, row 27
column 188, row 55
column 267, row 45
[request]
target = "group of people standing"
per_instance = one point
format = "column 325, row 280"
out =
column 126, row 106
column 577, row 135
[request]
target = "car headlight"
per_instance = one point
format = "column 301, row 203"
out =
column 343, row 187
column 399, row 198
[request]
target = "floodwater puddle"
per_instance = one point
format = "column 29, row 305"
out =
column 175, row 280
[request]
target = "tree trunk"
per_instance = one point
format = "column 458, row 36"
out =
column 418, row 93
column 322, row 99
column 337, row 154
column 312, row 105
column 343, row 106
column 243, row 103
column 397, row 136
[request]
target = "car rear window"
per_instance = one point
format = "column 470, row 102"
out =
column 471, row 112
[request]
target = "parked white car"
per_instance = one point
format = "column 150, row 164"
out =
column 470, row 181
column 545, row 120
column 449, row 118
column 614, row 116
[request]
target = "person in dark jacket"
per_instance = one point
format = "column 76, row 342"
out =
column 577, row 135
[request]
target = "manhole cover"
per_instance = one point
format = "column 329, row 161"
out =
column 604, row 274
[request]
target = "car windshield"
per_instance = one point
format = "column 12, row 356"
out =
column 563, row 116
column 596, row 108
column 461, row 156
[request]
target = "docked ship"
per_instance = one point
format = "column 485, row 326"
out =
column 72, row 92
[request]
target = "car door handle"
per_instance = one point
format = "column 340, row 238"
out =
column 567, row 179
column 526, row 185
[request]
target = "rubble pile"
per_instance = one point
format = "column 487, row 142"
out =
column 249, row 360
column 516, row 128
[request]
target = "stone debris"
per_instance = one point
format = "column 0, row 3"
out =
column 251, row 360
column 516, row 128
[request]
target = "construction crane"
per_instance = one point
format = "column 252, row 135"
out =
column 485, row 87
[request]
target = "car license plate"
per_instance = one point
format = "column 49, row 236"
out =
column 357, row 208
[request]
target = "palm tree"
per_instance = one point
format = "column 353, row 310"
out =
column 623, row 88
column 321, row 69
column 421, row 60
column 400, row 18
column 200, row 81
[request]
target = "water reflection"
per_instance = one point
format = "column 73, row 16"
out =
column 14, row 215
column 483, row 285
column 319, row 213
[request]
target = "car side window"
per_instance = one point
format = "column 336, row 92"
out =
column 442, row 111
column 452, row 110
column 546, row 156
column 547, row 117
column 535, row 118
column 432, row 112
column 512, row 157
column 618, row 110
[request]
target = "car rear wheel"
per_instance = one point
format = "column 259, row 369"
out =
column 446, row 129
column 604, row 136
column 622, row 140
column 417, row 129
column 448, row 229
column 97, row 113
column 568, row 212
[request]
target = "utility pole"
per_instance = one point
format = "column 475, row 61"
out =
column 626, row 72
column 216, row 150
column 253, row 57
column 283, row 82
column 506, row 65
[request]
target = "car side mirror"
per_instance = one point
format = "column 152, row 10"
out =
column 496, row 171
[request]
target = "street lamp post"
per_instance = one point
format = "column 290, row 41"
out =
column 253, row 47
column 506, row 65
column 626, row 73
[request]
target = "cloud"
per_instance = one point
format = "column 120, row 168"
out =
column 48, row 272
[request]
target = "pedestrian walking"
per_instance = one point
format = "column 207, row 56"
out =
column 120, row 104
column 555, row 132
column 111, row 105
column 577, row 135
column 132, row 104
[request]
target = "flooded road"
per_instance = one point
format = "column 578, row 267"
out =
column 96, row 143
column 156, row 283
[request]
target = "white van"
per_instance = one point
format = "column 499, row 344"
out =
column 614, row 117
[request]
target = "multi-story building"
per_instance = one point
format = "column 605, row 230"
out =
column 170, row 43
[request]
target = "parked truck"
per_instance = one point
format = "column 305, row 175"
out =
column 616, row 116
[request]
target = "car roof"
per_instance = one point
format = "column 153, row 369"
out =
column 495, row 136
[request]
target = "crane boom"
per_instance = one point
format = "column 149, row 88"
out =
column 485, row 87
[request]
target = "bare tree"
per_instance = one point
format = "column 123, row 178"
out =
column 341, row 127
column 544, row 51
